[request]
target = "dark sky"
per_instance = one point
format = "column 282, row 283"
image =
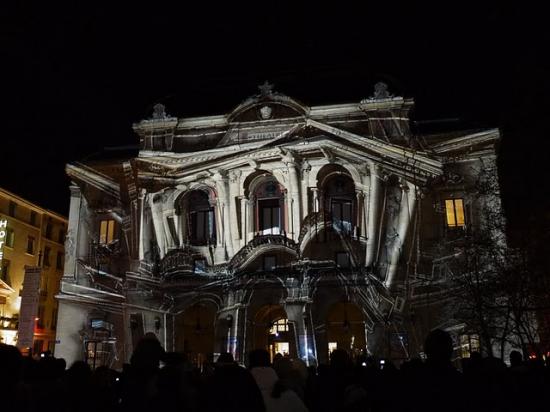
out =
column 76, row 76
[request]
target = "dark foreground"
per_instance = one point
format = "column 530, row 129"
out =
column 287, row 385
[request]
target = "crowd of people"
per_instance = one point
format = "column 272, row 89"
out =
column 156, row 381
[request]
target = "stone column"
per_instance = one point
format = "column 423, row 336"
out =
column 223, row 192
column 69, row 273
column 166, row 214
column 294, row 201
column 177, row 224
column 169, row 332
column 359, row 197
column 321, row 340
column 83, row 241
column 238, row 333
column 305, row 346
column 244, row 220
column 250, row 219
column 158, row 225
column 304, row 183
column 373, row 216
column 234, row 183
column 144, row 228
column 406, row 213
column 315, row 193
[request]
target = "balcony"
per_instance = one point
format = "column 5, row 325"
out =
column 256, row 245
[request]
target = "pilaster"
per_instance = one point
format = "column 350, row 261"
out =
column 72, row 237
column 374, row 214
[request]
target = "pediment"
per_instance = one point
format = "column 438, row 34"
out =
column 267, row 106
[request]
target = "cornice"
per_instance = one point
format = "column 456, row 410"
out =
column 94, row 178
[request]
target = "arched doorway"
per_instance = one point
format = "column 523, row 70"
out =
column 346, row 329
column 273, row 332
column 195, row 332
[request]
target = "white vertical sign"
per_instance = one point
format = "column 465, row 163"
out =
column 29, row 306
column 3, row 233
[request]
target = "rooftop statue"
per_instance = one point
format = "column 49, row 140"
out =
column 159, row 112
column 381, row 91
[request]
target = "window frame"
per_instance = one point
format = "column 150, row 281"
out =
column 12, row 208
column 10, row 237
column 5, row 271
column 59, row 259
column 61, row 236
column 265, row 267
column 48, row 230
column 452, row 213
column 31, row 240
column 109, row 235
column 46, row 256
column 266, row 228
column 342, row 203
column 208, row 226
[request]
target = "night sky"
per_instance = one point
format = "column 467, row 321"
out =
column 77, row 76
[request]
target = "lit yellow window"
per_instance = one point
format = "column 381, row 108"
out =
column 106, row 231
column 280, row 325
column 468, row 344
column 454, row 208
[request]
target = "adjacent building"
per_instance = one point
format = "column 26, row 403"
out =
column 278, row 225
column 30, row 237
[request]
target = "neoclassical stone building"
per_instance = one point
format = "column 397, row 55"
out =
column 298, row 229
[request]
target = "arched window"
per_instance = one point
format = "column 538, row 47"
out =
column 268, row 198
column 201, row 222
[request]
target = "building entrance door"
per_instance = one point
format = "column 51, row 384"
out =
column 272, row 331
column 279, row 347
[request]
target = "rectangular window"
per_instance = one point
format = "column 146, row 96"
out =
column 342, row 214
column 199, row 266
column 59, row 261
column 61, row 236
column 41, row 322
column 54, row 318
column 43, row 284
column 49, row 230
column 46, row 257
column 269, row 216
column 33, row 218
column 30, row 245
column 202, row 226
column 342, row 260
column 106, row 231
column 454, row 210
column 469, row 344
column 10, row 237
column 269, row 263
column 5, row 274
column 11, row 209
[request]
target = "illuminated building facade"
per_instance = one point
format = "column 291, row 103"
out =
column 34, row 237
column 298, row 229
